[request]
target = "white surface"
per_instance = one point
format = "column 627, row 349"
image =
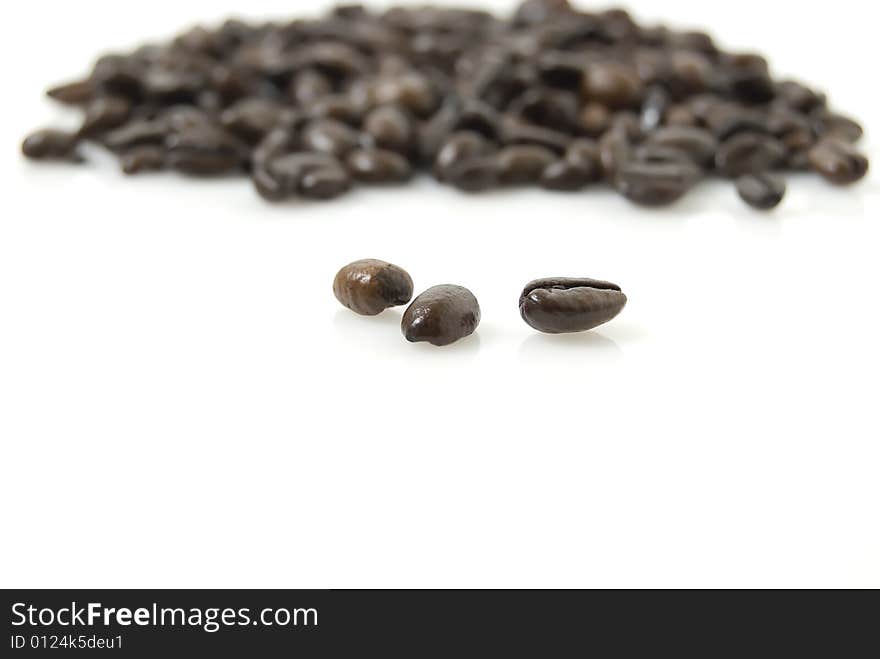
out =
column 183, row 402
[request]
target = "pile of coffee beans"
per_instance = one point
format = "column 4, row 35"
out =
column 550, row 96
column 444, row 314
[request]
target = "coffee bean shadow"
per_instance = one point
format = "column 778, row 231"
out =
column 588, row 345
column 346, row 319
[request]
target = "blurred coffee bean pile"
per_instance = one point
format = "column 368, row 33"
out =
column 550, row 96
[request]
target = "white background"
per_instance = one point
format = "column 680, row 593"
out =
column 183, row 403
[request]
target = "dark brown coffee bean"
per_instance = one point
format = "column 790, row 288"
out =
column 515, row 131
column 475, row 175
column 378, row 166
column 838, row 161
column 698, row 144
column 565, row 175
column 829, row 124
column 655, row 184
column 584, row 155
column 370, row 286
column 105, row 113
column 141, row 159
column 252, row 118
column 411, row 91
column 524, row 163
column 50, row 144
column 78, row 92
column 138, row 132
column 203, row 150
column 460, row 147
column 763, row 191
column 308, row 86
column 749, row 153
column 325, row 183
column 340, row 107
column 595, row 119
column 390, row 127
column 441, row 315
column 612, row 84
column 558, row 305
column 330, row 136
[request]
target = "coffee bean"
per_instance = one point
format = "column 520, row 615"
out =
column 524, row 163
column 829, row 124
column 378, row 166
column 78, row 92
column 749, row 153
column 699, row 145
column 50, row 144
column 142, row 158
column 763, row 191
column 612, row 84
column 460, row 147
column 325, row 183
column 390, row 127
column 564, row 175
column 330, row 136
column 475, row 175
column 370, row 286
column 105, row 113
column 655, row 184
column 441, row 315
column 838, row 161
column 557, row 305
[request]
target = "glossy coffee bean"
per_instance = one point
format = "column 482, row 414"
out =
column 762, row 191
column 203, row 150
column 557, row 305
column 521, row 164
column 829, row 124
column 330, row 136
column 390, row 127
column 563, row 175
column 698, row 144
column 325, row 183
column 370, row 286
column 441, row 315
column 459, row 148
column 476, row 175
column 584, row 155
column 50, row 144
column 612, row 84
column 142, row 159
column 655, row 184
column 749, row 153
column 378, row 166
column 838, row 161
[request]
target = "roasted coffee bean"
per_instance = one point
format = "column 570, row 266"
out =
column 829, row 124
column 655, row 184
column 838, row 161
column 49, row 144
column 558, row 305
column 330, row 136
column 522, row 163
column 441, row 315
column 698, row 144
column 612, row 84
column 378, row 166
column 78, row 92
column 565, row 175
column 471, row 96
column 325, row 183
column 370, row 286
column 141, row 159
column 749, row 153
column 390, row 127
column 105, row 113
column 475, row 175
column 763, row 191
column 459, row 148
